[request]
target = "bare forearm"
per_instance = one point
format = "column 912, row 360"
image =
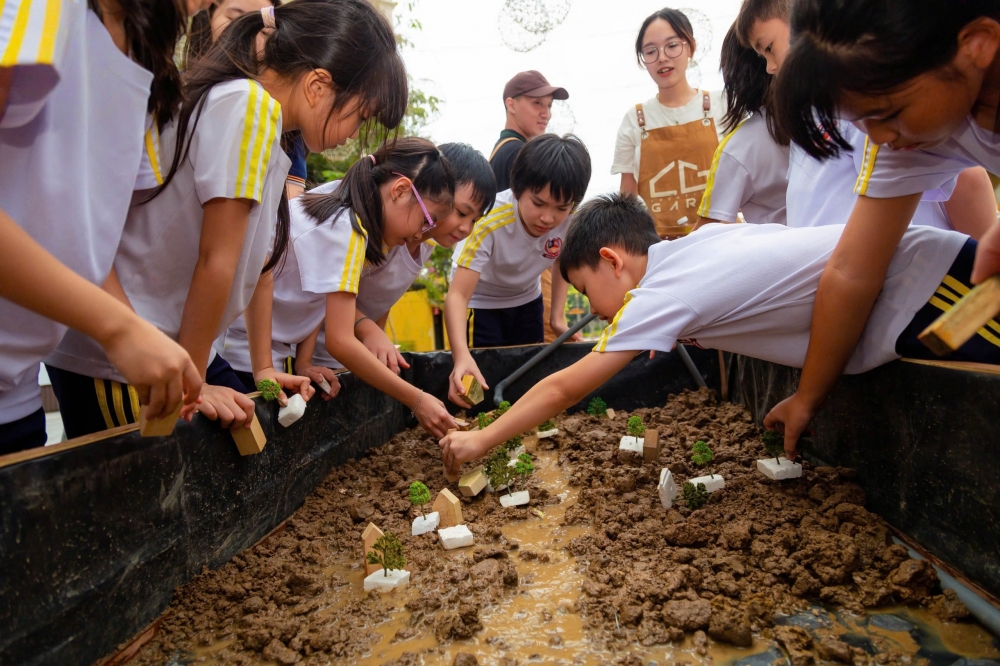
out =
column 972, row 208
column 355, row 357
column 257, row 318
column 559, row 289
column 206, row 300
column 305, row 350
column 629, row 184
column 455, row 321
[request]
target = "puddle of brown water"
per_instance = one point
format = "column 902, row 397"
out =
column 541, row 609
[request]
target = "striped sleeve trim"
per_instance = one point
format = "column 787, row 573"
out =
column 612, row 328
column 497, row 219
column 867, row 167
column 706, row 198
column 28, row 32
column 350, row 274
column 153, row 152
column 260, row 127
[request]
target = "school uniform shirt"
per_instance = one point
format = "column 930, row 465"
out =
column 509, row 261
column 628, row 144
column 322, row 258
column 823, row 192
column 759, row 301
column 379, row 290
column 235, row 153
column 750, row 174
column 68, row 161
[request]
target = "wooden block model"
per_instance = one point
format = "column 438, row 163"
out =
column 473, row 391
column 249, row 440
column 368, row 539
column 472, row 483
column 449, row 508
column 973, row 311
column 463, row 425
column 611, row 413
column 160, row 427
column 650, row 446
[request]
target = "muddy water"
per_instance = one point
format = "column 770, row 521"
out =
column 540, row 623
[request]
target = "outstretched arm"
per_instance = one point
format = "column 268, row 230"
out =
column 456, row 304
column 557, row 315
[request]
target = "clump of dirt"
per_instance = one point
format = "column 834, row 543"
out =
column 756, row 550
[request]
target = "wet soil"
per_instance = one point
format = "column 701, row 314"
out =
column 593, row 570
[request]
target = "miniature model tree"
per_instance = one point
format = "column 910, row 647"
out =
column 522, row 468
column 774, row 443
column 501, row 409
column 388, row 552
column 484, row 420
column 419, row 496
column 269, row 389
column 498, row 469
column 513, row 443
column 635, row 427
column 701, row 455
column 548, row 425
column 597, row 408
column 694, row 496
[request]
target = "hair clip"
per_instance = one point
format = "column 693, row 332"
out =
column 267, row 13
column 373, row 159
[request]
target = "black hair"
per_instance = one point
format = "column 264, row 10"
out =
column 864, row 47
column 747, row 84
column 610, row 220
column 152, row 29
column 561, row 162
column 349, row 39
column 199, row 35
column 470, row 167
column 677, row 19
column 417, row 159
column 752, row 11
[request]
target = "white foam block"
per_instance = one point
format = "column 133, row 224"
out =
column 455, row 537
column 667, row 488
column 779, row 470
column 516, row 452
column 293, row 411
column 630, row 443
column 515, row 499
column 324, row 385
column 712, row 482
column 383, row 580
column 425, row 524
column 548, row 433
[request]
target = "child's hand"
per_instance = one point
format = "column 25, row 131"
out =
column 560, row 327
column 318, row 372
column 459, row 447
column 433, row 416
column 791, row 416
column 463, row 367
column 228, row 407
column 159, row 368
column 294, row 383
column 379, row 344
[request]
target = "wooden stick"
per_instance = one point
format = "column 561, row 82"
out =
column 954, row 328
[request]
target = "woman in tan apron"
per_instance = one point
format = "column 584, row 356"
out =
column 665, row 146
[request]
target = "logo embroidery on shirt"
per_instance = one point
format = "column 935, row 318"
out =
column 553, row 247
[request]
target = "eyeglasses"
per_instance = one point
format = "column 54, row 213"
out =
column 429, row 224
column 651, row 54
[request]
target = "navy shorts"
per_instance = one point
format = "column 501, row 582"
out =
column 24, row 433
column 984, row 347
column 88, row 404
column 505, row 327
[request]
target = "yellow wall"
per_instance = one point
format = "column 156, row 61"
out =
column 411, row 322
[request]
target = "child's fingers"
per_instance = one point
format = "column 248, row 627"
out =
column 247, row 406
column 157, row 400
column 192, row 382
column 282, row 399
column 401, row 361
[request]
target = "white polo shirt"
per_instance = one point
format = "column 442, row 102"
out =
column 509, row 261
column 235, row 153
column 323, row 258
column 759, row 300
column 70, row 143
column 750, row 174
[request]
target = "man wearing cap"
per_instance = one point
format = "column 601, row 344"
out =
column 528, row 100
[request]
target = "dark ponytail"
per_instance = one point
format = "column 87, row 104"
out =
column 864, row 47
column 199, row 34
column 417, row 159
column 152, row 29
column 747, row 84
column 347, row 38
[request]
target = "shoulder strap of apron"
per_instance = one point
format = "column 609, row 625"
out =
column 501, row 145
column 640, row 116
column 706, row 102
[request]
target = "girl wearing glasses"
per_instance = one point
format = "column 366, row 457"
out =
column 338, row 232
column 665, row 146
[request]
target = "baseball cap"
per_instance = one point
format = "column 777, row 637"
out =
column 532, row 84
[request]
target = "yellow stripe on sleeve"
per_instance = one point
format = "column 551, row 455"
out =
column 153, row 151
column 706, row 198
column 501, row 218
column 12, row 54
column 50, row 28
column 867, row 167
column 267, row 125
column 273, row 116
column 612, row 328
column 245, row 143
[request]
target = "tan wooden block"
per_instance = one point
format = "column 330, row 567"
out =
column 972, row 312
column 530, row 443
column 368, row 539
column 473, row 391
column 473, row 483
column 611, row 413
column 160, row 427
column 250, row 440
column 463, row 425
column 650, row 446
column 449, row 508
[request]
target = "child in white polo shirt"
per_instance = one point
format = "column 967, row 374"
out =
column 495, row 297
column 759, row 301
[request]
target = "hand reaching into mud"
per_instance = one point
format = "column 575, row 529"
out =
column 459, row 447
